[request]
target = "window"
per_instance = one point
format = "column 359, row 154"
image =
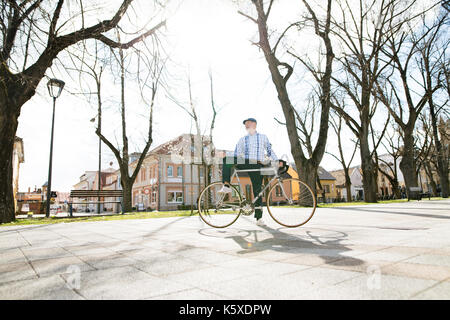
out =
column 174, row 197
column 170, row 171
column 278, row 191
column 326, row 188
column 179, row 171
column 201, row 172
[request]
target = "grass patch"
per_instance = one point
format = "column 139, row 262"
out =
column 126, row 216
column 166, row 214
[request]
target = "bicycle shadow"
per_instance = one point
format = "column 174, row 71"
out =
column 329, row 248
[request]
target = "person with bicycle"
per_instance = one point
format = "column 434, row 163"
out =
column 252, row 151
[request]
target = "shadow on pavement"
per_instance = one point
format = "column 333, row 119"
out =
column 284, row 242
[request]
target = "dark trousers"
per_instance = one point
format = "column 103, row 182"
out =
column 255, row 176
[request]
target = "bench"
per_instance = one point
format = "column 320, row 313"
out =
column 95, row 194
column 415, row 193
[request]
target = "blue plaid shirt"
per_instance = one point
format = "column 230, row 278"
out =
column 255, row 147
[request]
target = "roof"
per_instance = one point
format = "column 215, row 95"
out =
column 324, row 174
column 176, row 145
column 340, row 175
column 171, row 145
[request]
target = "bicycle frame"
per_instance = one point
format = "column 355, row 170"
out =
column 264, row 187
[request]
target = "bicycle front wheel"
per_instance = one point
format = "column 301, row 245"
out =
column 291, row 202
column 219, row 210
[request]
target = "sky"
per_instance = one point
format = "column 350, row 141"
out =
column 202, row 35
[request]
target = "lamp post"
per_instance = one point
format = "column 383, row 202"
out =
column 99, row 126
column 55, row 87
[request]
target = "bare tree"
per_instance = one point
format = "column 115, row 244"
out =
column 426, row 157
column 401, row 48
column 204, row 148
column 336, row 124
column 432, row 61
column 388, row 168
column 359, row 28
column 32, row 29
column 281, row 72
column 150, row 80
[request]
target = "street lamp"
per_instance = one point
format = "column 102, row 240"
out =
column 99, row 128
column 55, row 87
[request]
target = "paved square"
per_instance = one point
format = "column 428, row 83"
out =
column 394, row 251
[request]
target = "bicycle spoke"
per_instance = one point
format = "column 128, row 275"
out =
column 291, row 202
column 217, row 209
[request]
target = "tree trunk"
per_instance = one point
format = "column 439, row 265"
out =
column 431, row 181
column 127, row 188
column 10, row 105
column 308, row 174
column 408, row 164
column 442, row 160
column 348, row 185
column 367, row 164
column 8, row 127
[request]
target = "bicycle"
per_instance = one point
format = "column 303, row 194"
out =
column 289, row 201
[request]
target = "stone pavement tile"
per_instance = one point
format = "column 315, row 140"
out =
column 8, row 243
column 274, row 255
column 208, row 276
column 215, row 258
column 12, row 256
column 429, row 241
column 242, row 263
column 45, row 253
column 159, row 244
column 190, row 294
column 310, row 259
column 357, row 265
column 406, row 250
column 431, row 259
column 370, row 287
column 328, row 251
column 87, row 249
column 58, row 265
column 145, row 255
column 416, row 270
column 104, row 261
column 124, row 283
column 16, row 271
column 254, row 287
column 440, row 250
column 389, row 254
column 172, row 266
column 45, row 288
column 324, row 276
column 187, row 251
column 277, row 268
column 437, row 292
column 123, row 247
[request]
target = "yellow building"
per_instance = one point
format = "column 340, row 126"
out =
column 327, row 188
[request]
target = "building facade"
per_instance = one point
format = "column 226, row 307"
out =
column 171, row 176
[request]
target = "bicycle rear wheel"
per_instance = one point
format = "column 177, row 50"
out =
column 291, row 202
column 219, row 210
